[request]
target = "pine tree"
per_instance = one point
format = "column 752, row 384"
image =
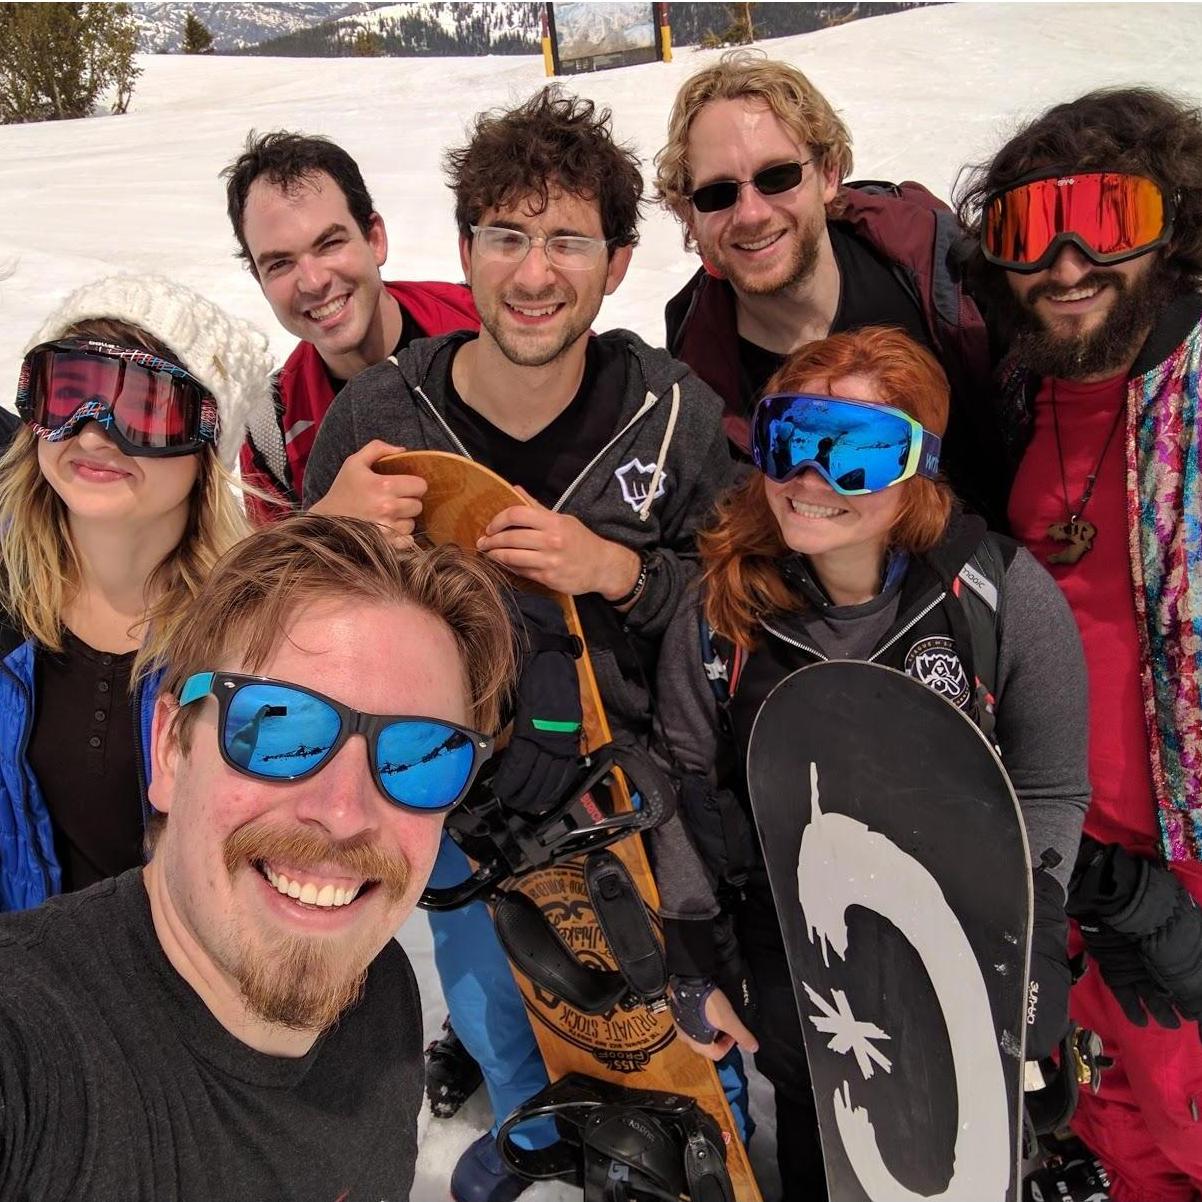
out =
column 367, row 45
column 197, row 38
column 58, row 60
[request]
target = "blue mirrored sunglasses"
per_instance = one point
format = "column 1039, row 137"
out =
column 273, row 730
column 855, row 446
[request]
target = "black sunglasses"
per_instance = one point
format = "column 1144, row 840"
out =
column 771, row 181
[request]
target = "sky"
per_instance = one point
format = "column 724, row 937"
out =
column 923, row 92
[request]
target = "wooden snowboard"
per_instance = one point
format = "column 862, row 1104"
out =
column 899, row 867
column 633, row 1046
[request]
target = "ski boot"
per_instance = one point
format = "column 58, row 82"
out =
column 481, row 1175
column 452, row 1076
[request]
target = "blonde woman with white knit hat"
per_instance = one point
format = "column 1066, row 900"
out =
column 115, row 500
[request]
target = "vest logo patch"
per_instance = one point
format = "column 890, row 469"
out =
column 635, row 480
column 933, row 661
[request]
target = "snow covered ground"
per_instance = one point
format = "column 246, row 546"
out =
column 923, row 92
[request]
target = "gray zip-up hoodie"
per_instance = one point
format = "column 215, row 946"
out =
column 648, row 488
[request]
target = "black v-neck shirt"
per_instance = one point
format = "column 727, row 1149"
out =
column 547, row 463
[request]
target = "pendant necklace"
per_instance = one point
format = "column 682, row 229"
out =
column 1078, row 534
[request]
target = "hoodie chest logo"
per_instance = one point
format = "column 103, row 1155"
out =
column 635, row 480
column 934, row 662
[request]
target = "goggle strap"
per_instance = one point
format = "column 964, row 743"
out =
column 928, row 455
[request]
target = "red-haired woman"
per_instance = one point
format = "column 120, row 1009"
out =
column 845, row 544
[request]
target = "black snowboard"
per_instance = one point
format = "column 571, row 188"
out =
column 901, row 876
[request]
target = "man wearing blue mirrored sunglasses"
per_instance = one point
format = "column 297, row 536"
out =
column 235, row 1020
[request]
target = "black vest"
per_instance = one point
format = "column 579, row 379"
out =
column 945, row 636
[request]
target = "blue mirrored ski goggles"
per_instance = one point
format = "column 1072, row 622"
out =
column 855, row 446
column 273, row 730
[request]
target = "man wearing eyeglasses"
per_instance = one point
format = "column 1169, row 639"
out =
column 235, row 1020
column 753, row 169
column 618, row 446
column 308, row 232
column 1088, row 252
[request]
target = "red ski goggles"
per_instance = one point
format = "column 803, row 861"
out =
column 1108, row 215
column 147, row 405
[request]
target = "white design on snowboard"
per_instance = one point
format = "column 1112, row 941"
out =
column 842, row 863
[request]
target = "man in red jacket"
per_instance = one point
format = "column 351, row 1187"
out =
column 308, row 232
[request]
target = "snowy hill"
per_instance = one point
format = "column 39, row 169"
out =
column 923, row 92
column 232, row 25
column 443, row 27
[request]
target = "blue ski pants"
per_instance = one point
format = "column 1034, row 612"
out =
column 482, row 998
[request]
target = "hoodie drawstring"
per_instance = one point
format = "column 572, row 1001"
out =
column 661, row 458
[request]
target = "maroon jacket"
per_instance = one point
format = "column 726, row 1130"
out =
column 917, row 233
column 274, row 456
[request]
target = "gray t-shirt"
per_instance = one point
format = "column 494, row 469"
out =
column 116, row 1082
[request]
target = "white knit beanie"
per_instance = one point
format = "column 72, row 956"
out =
column 227, row 355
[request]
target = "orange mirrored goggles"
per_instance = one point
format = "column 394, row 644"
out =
column 1108, row 215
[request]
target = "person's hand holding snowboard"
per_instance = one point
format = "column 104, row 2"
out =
column 706, row 1020
column 561, row 553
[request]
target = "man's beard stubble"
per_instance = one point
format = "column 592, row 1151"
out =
column 1105, row 350
column 797, row 270
column 524, row 354
column 307, row 983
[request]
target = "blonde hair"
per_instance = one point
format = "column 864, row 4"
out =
column 241, row 611
column 40, row 571
column 796, row 103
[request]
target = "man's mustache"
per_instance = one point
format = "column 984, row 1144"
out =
column 301, row 847
column 1092, row 279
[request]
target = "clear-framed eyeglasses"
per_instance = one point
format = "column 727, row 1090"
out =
column 569, row 252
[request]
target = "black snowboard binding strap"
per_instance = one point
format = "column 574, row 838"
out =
column 626, row 924
column 508, row 845
column 1053, row 1085
column 535, row 947
column 622, row 1145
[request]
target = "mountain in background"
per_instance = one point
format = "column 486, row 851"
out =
column 447, row 27
column 432, row 27
column 233, row 26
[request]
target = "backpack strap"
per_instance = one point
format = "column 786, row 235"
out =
column 977, row 590
column 723, row 661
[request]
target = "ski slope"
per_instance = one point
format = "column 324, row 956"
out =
column 922, row 91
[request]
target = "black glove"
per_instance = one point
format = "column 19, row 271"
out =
column 1124, row 971
column 1143, row 929
column 733, row 974
column 541, row 759
column 1051, row 978
column 719, row 828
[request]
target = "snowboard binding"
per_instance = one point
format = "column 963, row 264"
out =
column 622, row 1145
column 534, row 946
column 1057, row 1165
column 508, row 845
